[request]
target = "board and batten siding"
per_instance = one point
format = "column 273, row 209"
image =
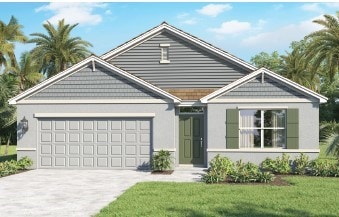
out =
column 189, row 67
column 270, row 88
column 98, row 84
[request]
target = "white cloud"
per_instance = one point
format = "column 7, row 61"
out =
column 108, row 12
column 278, row 6
column 77, row 12
column 312, row 7
column 191, row 21
column 231, row 27
column 183, row 15
column 214, row 10
column 282, row 37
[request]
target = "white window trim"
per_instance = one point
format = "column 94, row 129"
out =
column 163, row 47
column 261, row 128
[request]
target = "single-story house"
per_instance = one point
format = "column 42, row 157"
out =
column 164, row 89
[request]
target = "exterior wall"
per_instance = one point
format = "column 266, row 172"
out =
column 163, row 124
column 308, row 131
column 98, row 84
column 269, row 89
column 189, row 67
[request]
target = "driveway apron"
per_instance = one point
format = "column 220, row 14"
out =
column 72, row 192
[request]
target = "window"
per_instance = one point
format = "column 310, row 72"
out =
column 262, row 128
column 198, row 110
column 164, row 53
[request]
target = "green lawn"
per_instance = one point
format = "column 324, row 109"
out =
column 308, row 196
column 11, row 153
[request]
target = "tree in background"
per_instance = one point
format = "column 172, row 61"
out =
column 58, row 50
column 8, row 89
column 26, row 72
column 323, row 49
column 295, row 67
column 9, row 34
column 269, row 61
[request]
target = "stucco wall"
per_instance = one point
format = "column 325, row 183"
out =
column 163, row 135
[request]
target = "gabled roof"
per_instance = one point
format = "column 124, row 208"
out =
column 84, row 63
column 249, row 77
column 166, row 27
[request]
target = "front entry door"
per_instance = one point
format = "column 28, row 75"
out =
column 191, row 139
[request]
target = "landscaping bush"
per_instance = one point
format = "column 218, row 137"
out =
column 12, row 166
column 249, row 172
column 281, row 165
column 300, row 164
column 220, row 168
column 324, row 168
column 161, row 161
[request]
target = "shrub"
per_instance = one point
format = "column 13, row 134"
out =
column 223, row 169
column 249, row 172
column 277, row 166
column 324, row 168
column 300, row 164
column 161, row 161
column 12, row 166
column 24, row 163
column 219, row 168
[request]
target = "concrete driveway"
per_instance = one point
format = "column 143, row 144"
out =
column 73, row 192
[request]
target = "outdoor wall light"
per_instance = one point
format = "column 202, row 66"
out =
column 24, row 124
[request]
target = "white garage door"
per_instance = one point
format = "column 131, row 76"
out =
column 94, row 143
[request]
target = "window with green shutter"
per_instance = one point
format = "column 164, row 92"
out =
column 232, row 128
column 292, row 124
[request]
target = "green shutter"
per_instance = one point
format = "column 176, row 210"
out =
column 292, row 131
column 232, row 129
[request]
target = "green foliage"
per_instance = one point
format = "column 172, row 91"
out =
column 161, row 161
column 329, row 134
column 13, row 166
column 58, row 50
column 270, row 61
column 281, row 165
column 249, row 172
column 324, row 168
column 222, row 169
column 300, row 164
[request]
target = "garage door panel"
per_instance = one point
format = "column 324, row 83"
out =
column 94, row 143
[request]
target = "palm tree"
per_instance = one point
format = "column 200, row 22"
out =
column 58, row 50
column 9, row 34
column 8, row 89
column 329, row 134
column 26, row 72
column 324, row 46
column 295, row 67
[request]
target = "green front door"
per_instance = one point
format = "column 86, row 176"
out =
column 191, row 139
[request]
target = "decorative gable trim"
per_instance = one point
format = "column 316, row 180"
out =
column 263, row 72
column 77, row 67
column 164, row 26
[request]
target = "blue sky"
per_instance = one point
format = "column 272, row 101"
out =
column 243, row 29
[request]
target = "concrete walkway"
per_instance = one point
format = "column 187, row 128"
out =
column 74, row 192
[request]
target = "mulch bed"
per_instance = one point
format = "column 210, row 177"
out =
column 278, row 181
column 165, row 172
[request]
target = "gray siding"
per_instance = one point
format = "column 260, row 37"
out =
column 190, row 66
column 269, row 89
column 99, row 84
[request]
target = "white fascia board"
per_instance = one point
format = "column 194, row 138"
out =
column 96, row 101
column 165, row 26
column 82, row 64
column 260, row 100
column 93, row 115
column 252, row 76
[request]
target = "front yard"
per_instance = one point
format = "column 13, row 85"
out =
column 11, row 153
column 306, row 196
